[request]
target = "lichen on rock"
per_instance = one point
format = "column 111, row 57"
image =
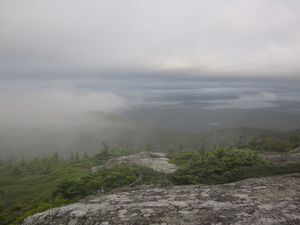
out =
column 155, row 160
column 268, row 200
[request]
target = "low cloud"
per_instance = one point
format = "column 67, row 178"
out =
column 37, row 122
column 255, row 101
column 37, row 105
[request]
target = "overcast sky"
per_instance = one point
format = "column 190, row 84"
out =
column 62, row 57
column 110, row 48
column 64, row 38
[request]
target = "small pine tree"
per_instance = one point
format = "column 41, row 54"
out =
column 72, row 156
column 85, row 155
column 77, row 156
column 55, row 156
column 148, row 148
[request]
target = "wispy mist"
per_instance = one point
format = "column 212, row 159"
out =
column 36, row 105
column 41, row 121
column 187, row 65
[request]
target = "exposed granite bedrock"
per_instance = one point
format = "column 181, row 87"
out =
column 269, row 200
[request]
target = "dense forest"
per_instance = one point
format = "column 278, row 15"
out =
column 31, row 186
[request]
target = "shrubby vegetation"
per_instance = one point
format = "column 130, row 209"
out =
column 223, row 165
column 213, row 167
column 295, row 139
column 270, row 145
column 29, row 187
column 106, row 179
column 266, row 145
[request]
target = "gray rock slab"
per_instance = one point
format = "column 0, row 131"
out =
column 155, row 160
column 269, row 200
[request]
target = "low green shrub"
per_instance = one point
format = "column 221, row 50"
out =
column 219, row 166
column 106, row 179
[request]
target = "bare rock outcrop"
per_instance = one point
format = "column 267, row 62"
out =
column 154, row 160
column 269, row 200
column 282, row 159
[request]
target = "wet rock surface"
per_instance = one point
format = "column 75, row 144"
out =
column 270, row 200
column 155, row 160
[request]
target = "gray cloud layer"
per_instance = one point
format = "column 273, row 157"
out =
column 236, row 37
column 40, row 105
